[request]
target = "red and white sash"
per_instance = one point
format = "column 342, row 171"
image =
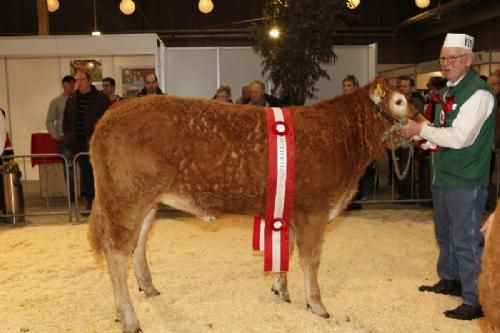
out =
column 271, row 234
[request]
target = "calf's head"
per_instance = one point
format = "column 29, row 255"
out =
column 393, row 107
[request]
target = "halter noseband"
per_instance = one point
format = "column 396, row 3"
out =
column 379, row 110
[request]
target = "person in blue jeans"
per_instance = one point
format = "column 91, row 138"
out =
column 463, row 129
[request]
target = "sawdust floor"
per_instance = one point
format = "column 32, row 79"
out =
column 373, row 262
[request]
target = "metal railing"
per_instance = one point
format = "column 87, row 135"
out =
column 387, row 194
column 25, row 181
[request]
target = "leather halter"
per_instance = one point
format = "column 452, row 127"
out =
column 387, row 116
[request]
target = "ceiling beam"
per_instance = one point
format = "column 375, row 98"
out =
column 457, row 21
column 43, row 17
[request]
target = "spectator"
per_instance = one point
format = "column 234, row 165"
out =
column 151, row 86
column 108, row 88
column 349, row 84
column 83, row 109
column 259, row 97
column 223, row 94
column 464, row 130
column 54, row 124
column 245, row 95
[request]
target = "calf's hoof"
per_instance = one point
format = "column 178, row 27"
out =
column 319, row 310
column 150, row 292
column 138, row 330
column 283, row 295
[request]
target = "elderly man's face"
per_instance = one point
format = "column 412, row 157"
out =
column 256, row 93
column 150, row 84
column 455, row 62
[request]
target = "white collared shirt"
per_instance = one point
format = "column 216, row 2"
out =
column 466, row 126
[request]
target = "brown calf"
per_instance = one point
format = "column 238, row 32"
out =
column 489, row 279
column 206, row 157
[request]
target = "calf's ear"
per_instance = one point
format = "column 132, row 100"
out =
column 377, row 89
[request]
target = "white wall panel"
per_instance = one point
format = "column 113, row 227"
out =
column 191, row 72
column 32, row 84
column 36, row 46
column 238, row 67
column 350, row 60
column 4, row 102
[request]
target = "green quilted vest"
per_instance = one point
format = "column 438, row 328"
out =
column 469, row 166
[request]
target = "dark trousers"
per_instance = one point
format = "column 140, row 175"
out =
column 424, row 176
column 86, row 178
column 65, row 150
column 86, row 171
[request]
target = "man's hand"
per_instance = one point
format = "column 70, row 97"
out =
column 411, row 128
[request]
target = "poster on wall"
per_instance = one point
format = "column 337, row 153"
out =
column 133, row 80
column 93, row 67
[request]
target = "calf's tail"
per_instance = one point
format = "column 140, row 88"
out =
column 96, row 231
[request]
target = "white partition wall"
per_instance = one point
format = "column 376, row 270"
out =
column 238, row 67
column 197, row 72
column 191, row 71
column 356, row 60
column 31, row 69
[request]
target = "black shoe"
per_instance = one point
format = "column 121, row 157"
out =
column 445, row 287
column 353, row 206
column 465, row 312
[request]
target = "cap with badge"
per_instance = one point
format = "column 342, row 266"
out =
column 459, row 40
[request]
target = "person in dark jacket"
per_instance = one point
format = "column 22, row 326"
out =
column 259, row 97
column 82, row 112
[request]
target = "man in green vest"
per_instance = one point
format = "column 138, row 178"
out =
column 463, row 129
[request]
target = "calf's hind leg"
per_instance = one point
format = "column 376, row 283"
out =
column 141, row 268
column 309, row 230
column 118, row 266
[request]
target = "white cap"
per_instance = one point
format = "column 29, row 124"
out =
column 459, row 40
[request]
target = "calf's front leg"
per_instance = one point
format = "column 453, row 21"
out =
column 280, row 285
column 310, row 228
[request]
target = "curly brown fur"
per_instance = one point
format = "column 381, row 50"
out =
column 208, row 157
column 489, row 279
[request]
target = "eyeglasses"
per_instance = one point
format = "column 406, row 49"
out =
column 450, row 59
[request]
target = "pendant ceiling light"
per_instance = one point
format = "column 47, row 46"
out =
column 422, row 3
column 351, row 4
column 52, row 5
column 127, row 7
column 205, row 6
column 274, row 32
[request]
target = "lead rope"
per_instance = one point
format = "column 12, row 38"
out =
column 404, row 143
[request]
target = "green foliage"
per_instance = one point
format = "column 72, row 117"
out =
column 293, row 61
